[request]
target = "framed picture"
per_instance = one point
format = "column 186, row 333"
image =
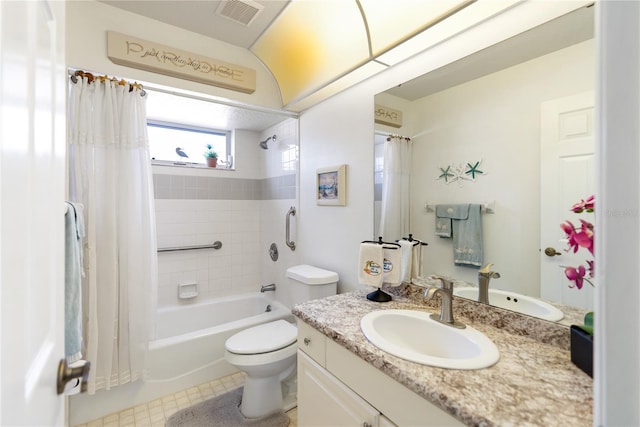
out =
column 331, row 186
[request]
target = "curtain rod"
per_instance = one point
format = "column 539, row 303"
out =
column 208, row 98
column 406, row 138
column 92, row 76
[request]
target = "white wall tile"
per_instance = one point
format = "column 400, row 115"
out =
column 246, row 228
column 234, row 268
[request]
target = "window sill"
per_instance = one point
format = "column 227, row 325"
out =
column 186, row 165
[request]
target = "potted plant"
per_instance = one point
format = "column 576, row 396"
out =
column 581, row 237
column 211, row 156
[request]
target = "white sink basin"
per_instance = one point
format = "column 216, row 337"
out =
column 514, row 302
column 413, row 336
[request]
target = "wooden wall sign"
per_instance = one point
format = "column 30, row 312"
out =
column 388, row 116
column 150, row 56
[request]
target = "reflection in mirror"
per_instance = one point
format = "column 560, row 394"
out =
column 395, row 197
column 491, row 112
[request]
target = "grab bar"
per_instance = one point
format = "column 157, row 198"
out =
column 292, row 245
column 216, row 245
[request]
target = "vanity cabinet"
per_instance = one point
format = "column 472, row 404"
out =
column 337, row 388
column 325, row 401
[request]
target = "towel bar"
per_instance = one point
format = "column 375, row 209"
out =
column 216, row 245
column 488, row 208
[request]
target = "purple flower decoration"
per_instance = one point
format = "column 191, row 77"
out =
column 575, row 275
column 577, row 238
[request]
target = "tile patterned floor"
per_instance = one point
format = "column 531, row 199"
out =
column 156, row 412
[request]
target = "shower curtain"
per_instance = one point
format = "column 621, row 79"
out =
column 110, row 174
column 394, row 216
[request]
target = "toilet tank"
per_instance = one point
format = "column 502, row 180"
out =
column 307, row 282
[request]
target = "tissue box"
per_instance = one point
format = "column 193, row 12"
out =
column 582, row 349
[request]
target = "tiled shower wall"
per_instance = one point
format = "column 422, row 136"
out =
column 242, row 213
column 214, row 188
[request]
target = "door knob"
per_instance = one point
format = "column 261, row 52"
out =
column 551, row 252
column 66, row 374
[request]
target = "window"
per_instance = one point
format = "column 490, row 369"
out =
column 167, row 139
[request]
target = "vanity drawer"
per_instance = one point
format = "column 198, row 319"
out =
column 312, row 342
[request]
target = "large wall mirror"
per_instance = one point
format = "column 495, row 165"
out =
column 522, row 113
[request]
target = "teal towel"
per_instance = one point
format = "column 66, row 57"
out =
column 443, row 227
column 468, row 250
column 74, row 232
column 445, row 214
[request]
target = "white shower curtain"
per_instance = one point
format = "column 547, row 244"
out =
column 110, row 174
column 394, row 217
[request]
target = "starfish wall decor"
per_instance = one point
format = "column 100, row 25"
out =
column 467, row 172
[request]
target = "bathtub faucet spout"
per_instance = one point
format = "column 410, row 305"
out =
column 266, row 288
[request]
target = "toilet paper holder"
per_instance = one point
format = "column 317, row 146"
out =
column 67, row 373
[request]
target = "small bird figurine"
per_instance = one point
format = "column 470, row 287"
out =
column 181, row 153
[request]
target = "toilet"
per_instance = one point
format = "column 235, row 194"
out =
column 267, row 353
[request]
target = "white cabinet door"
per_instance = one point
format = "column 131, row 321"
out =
column 325, row 401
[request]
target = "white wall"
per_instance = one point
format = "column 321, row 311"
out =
column 334, row 133
column 495, row 119
column 87, row 25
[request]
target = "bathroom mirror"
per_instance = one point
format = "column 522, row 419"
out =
column 487, row 111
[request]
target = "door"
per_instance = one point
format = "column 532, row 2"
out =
column 567, row 170
column 32, row 164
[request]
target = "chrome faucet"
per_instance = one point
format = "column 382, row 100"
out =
column 446, row 306
column 267, row 288
column 484, row 276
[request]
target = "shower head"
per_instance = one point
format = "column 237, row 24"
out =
column 263, row 144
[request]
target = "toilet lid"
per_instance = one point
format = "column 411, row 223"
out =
column 311, row 275
column 263, row 338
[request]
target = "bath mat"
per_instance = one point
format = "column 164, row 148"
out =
column 223, row 411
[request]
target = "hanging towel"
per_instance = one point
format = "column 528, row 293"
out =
column 443, row 227
column 445, row 214
column 468, row 248
column 406, row 260
column 370, row 265
column 416, row 259
column 392, row 265
column 74, row 233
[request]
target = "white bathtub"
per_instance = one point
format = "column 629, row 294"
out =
column 190, row 338
column 188, row 351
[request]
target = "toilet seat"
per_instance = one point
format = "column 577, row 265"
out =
column 245, row 361
column 265, row 338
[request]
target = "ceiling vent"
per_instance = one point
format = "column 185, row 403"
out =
column 241, row 11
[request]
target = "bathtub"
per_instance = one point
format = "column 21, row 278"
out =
column 188, row 350
column 190, row 339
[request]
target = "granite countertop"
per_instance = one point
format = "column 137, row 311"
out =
column 534, row 383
